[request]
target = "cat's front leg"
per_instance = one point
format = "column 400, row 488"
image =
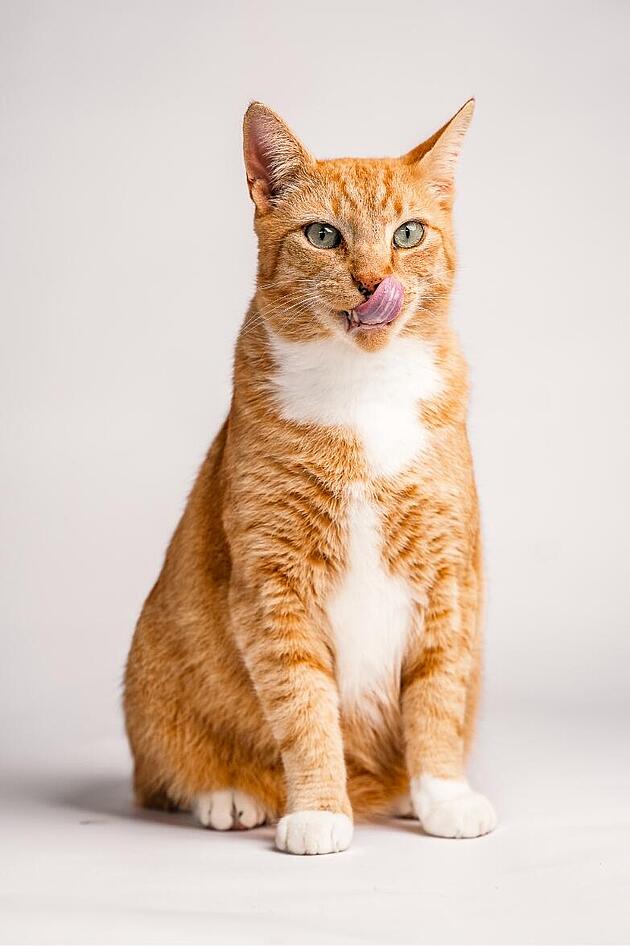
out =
column 292, row 671
column 436, row 684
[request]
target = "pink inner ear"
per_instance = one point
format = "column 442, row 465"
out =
column 273, row 156
column 256, row 160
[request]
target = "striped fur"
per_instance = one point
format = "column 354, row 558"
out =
column 312, row 644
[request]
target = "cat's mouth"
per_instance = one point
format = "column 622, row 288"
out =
column 379, row 309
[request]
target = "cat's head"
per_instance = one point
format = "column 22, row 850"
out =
column 354, row 247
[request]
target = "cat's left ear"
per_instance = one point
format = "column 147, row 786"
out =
column 274, row 158
column 436, row 158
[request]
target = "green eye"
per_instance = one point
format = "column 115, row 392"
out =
column 323, row 235
column 409, row 234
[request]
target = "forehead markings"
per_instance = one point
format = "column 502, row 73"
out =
column 335, row 204
column 384, row 189
column 364, row 193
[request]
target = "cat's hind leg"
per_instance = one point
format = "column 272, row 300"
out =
column 149, row 790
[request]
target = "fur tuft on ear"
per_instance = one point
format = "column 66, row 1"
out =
column 274, row 158
column 437, row 156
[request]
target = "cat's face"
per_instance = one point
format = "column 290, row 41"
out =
column 357, row 248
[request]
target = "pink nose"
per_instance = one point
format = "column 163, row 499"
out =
column 367, row 284
column 383, row 305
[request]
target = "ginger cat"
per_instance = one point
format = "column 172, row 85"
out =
column 311, row 650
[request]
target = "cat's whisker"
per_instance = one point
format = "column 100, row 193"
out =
column 334, row 518
column 292, row 309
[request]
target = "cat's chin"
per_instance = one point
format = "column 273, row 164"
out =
column 354, row 326
column 371, row 337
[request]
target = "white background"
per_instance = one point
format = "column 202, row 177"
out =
column 127, row 261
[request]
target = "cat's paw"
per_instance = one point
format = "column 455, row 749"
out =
column 402, row 807
column 314, row 832
column 450, row 809
column 467, row 817
column 227, row 809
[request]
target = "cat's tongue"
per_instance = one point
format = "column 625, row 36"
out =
column 382, row 306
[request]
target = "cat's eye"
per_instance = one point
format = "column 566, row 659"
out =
column 409, row 234
column 323, row 235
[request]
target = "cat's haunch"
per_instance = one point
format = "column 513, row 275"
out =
column 311, row 650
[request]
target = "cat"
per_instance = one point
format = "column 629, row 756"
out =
column 311, row 650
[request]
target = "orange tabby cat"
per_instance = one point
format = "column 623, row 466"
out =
column 311, row 649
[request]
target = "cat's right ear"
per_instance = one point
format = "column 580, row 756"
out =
column 274, row 158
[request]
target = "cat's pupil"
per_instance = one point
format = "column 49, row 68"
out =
column 323, row 235
column 409, row 234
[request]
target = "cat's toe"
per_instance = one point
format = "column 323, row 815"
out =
column 215, row 810
column 227, row 809
column 314, row 832
column 249, row 812
column 469, row 816
column 402, row 807
column 448, row 808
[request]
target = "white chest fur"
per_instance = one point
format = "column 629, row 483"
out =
column 376, row 396
column 369, row 612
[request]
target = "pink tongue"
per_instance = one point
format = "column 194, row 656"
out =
column 383, row 305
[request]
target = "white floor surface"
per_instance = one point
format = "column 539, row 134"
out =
column 80, row 865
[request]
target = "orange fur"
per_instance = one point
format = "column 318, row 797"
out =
column 231, row 679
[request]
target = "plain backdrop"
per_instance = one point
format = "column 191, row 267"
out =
column 128, row 259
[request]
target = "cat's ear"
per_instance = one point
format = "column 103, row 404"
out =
column 274, row 158
column 436, row 158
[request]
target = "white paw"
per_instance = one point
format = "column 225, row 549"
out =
column 402, row 808
column 248, row 811
column 227, row 809
column 314, row 832
column 450, row 809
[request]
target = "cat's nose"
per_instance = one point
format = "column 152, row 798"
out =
column 367, row 284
